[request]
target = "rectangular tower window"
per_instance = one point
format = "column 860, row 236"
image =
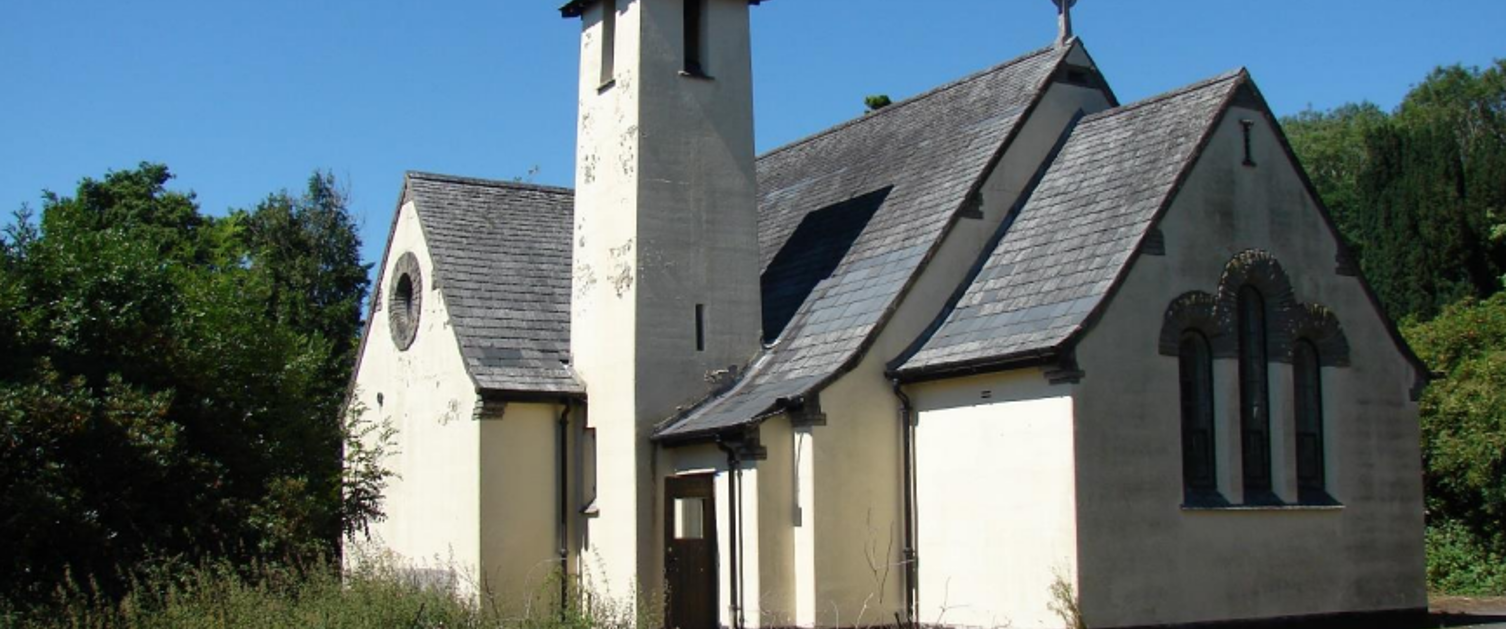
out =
column 700, row 328
column 608, row 41
column 1249, row 127
column 695, row 24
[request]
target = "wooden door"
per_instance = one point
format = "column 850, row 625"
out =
column 690, row 552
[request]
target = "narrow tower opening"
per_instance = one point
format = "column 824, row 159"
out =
column 1249, row 129
column 695, row 25
column 608, row 41
column 700, row 327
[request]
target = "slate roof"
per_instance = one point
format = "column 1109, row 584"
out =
column 1076, row 235
column 904, row 172
column 502, row 263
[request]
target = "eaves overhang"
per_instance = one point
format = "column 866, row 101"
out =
column 575, row 8
column 991, row 364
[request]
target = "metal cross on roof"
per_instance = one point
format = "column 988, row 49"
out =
column 1064, row 11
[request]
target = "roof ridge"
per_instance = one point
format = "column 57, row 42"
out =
column 489, row 183
column 1230, row 75
column 874, row 115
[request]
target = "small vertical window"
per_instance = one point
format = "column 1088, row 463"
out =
column 700, row 328
column 1308, row 390
column 1249, row 129
column 695, row 26
column 608, row 41
column 1199, row 475
column 1254, row 397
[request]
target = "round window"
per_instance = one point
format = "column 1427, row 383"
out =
column 405, row 300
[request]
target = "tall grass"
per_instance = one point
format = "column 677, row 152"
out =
column 222, row 596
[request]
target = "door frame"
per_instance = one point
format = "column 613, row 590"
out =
column 699, row 485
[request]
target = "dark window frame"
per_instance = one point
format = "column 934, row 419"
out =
column 1256, row 456
column 1307, row 393
column 1199, row 442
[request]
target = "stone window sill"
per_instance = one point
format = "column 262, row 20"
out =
column 1262, row 508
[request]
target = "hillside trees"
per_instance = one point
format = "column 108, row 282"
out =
column 1420, row 194
column 170, row 382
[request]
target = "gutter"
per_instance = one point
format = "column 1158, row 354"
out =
column 734, row 539
column 563, row 523
column 912, row 557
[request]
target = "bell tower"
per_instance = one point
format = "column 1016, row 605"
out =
column 665, row 285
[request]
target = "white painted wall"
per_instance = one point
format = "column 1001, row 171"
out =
column 1144, row 559
column 855, row 512
column 996, row 514
column 473, row 502
column 432, row 505
column 519, row 506
column 665, row 220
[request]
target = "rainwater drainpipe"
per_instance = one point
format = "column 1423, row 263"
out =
column 907, row 437
column 734, row 542
column 563, row 527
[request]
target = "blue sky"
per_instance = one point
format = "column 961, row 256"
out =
column 244, row 98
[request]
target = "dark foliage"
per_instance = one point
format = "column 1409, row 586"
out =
column 1420, row 193
column 170, row 382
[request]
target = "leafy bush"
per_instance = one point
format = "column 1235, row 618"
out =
column 1464, row 445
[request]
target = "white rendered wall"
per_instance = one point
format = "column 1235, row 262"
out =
column 432, row 504
column 519, row 506
column 996, row 514
column 850, row 543
column 1144, row 559
column 665, row 220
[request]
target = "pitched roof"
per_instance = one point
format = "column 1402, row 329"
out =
column 1075, row 236
column 502, row 264
column 892, row 181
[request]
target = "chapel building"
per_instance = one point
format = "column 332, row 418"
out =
column 1006, row 345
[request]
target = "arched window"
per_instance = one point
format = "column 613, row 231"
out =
column 1254, row 397
column 1308, row 388
column 1199, row 470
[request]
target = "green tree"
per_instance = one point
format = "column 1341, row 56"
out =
column 171, row 381
column 1421, row 192
column 1464, row 444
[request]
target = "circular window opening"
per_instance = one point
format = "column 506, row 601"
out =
column 406, row 301
column 404, row 296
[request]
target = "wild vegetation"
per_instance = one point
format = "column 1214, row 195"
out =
column 1420, row 195
column 221, row 595
column 171, row 382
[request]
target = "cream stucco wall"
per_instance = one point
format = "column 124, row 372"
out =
column 665, row 221
column 996, row 508
column 1146, row 560
column 853, row 528
column 519, row 505
column 473, row 502
column 432, row 505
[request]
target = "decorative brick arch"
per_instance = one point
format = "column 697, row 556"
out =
column 1195, row 310
column 1319, row 326
column 1258, row 269
column 1287, row 320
